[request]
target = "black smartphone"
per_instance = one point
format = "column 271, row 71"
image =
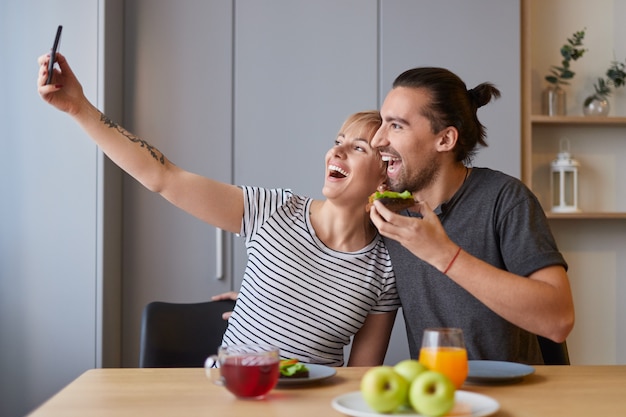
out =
column 53, row 53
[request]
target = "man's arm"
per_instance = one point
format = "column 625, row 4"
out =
column 541, row 303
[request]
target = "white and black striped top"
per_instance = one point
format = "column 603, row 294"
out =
column 297, row 294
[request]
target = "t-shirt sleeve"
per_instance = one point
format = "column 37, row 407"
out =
column 526, row 240
column 259, row 204
column 388, row 299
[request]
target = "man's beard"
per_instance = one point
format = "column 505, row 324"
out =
column 418, row 181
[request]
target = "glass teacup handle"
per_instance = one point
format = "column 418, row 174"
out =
column 211, row 370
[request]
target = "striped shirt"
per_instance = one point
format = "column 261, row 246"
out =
column 298, row 294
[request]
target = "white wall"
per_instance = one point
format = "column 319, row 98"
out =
column 605, row 24
column 49, row 182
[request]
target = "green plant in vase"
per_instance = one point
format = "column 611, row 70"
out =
column 597, row 104
column 554, row 95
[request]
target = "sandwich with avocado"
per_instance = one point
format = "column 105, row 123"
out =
column 394, row 201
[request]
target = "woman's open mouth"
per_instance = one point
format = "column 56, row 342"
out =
column 337, row 172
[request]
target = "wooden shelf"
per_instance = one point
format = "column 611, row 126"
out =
column 578, row 120
column 540, row 134
column 587, row 216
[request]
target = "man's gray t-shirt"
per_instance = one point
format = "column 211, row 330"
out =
column 496, row 218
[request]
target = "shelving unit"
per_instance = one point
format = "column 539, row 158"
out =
column 601, row 194
column 587, row 215
column 578, row 120
column 591, row 241
column 600, row 146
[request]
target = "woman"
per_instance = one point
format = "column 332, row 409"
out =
column 318, row 273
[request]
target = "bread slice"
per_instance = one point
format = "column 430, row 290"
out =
column 394, row 201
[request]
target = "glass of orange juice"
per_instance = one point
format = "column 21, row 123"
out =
column 443, row 350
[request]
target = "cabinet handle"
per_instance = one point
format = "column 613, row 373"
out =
column 219, row 254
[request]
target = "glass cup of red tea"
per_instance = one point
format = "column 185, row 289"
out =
column 247, row 371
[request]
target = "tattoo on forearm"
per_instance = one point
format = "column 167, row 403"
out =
column 156, row 154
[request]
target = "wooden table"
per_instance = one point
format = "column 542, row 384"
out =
column 551, row 391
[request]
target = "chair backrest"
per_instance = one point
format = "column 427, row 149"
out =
column 553, row 353
column 177, row 335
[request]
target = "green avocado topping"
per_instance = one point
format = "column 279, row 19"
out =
column 290, row 370
column 392, row 194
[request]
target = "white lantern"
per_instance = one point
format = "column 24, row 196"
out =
column 564, row 183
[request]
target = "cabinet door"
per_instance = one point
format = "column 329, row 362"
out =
column 459, row 35
column 178, row 97
column 465, row 37
column 300, row 69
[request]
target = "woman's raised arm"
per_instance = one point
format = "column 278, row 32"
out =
column 214, row 202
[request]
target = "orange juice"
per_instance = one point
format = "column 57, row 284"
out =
column 450, row 361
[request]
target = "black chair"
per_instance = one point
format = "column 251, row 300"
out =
column 177, row 335
column 553, row 353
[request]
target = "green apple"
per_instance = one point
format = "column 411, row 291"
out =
column 409, row 369
column 383, row 389
column 432, row 394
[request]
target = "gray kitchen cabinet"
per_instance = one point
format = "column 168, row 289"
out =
column 302, row 67
column 464, row 37
column 178, row 97
column 298, row 69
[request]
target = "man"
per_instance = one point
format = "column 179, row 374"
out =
column 484, row 258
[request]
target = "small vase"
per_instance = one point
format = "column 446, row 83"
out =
column 554, row 101
column 596, row 106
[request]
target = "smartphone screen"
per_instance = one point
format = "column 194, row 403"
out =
column 53, row 52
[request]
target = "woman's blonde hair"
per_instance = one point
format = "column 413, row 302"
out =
column 366, row 123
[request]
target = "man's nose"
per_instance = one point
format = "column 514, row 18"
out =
column 379, row 138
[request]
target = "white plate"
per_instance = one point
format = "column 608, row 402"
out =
column 316, row 373
column 466, row 404
column 489, row 372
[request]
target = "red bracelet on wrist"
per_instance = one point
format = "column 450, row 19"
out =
column 452, row 261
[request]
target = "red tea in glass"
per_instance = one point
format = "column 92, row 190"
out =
column 248, row 371
column 249, row 377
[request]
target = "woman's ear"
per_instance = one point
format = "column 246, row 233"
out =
column 447, row 139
